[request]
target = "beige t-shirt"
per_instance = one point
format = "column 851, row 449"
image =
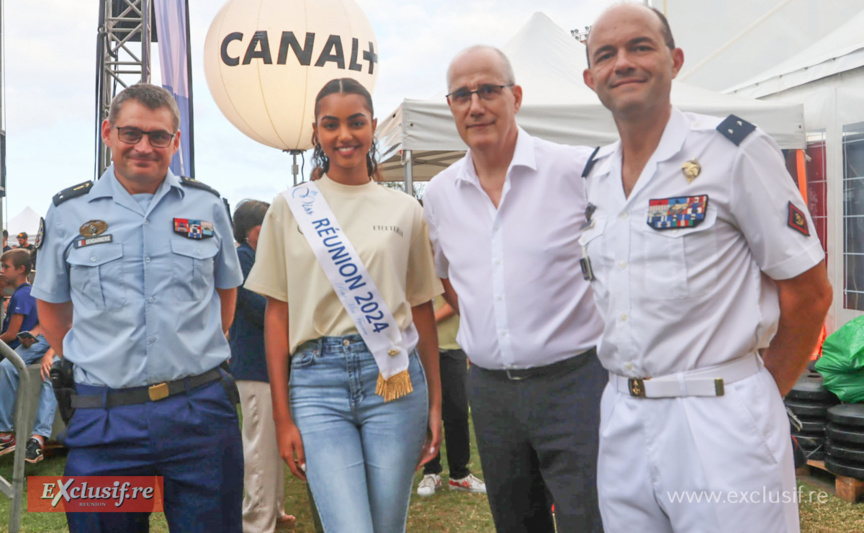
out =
column 387, row 229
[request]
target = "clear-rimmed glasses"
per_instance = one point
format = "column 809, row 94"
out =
column 487, row 91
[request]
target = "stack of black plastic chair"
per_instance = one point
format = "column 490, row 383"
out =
column 809, row 401
column 845, row 443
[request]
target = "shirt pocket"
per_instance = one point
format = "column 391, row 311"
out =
column 193, row 268
column 96, row 275
column 304, row 357
column 679, row 263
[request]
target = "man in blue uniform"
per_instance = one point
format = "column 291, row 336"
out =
column 140, row 304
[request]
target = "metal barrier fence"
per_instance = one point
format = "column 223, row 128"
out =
column 24, row 414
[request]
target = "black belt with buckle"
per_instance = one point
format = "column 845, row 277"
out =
column 518, row 374
column 136, row 395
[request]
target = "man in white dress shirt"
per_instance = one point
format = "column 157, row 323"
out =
column 710, row 283
column 504, row 223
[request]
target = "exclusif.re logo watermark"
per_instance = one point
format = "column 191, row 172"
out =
column 94, row 494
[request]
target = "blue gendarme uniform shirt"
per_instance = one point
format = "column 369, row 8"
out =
column 145, row 308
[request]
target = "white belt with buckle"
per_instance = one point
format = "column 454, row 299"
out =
column 700, row 382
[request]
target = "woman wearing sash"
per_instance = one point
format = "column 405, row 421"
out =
column 347, row 270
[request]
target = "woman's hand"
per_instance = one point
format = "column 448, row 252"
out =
column 432, row 446
column 427, row 348
column 291, row 449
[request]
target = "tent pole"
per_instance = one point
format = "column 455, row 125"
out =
column 409, row 172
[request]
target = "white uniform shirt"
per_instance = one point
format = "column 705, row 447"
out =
column 693, row 297
column 522, row 300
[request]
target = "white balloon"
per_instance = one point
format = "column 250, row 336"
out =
column 266, row 60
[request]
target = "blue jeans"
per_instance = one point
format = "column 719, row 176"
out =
column 361, row 452
column 9, row 391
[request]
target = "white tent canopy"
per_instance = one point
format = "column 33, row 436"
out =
column 841, row 51
column 27, row 221
column 827, row 78
column 728, row 42
column 548, row 62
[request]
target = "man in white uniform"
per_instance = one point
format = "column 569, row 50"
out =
column 710, row 283
column 504, row 223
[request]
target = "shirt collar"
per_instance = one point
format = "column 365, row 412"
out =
column 523, row 156
column 109, row 187
column 674, row 135
column 604, row 160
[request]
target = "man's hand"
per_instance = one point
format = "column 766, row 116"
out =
column 47, row 361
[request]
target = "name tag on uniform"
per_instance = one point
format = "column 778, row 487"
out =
column 89, row 241
column 193, row 229
column 678, row 212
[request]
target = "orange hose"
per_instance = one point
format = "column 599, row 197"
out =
column 802, row 174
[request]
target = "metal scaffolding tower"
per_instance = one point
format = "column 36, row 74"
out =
column 123, row 58
column 2, row 111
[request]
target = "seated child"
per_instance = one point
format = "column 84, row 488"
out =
column 21, row 316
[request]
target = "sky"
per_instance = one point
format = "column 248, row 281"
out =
column 49, row 69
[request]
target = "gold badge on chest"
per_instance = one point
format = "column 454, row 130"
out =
column 93, row 228
column 691, row 170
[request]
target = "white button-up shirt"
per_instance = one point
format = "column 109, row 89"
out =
column 522, row 299
column 677, row 299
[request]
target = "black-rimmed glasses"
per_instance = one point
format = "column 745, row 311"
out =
column 487, row 91
column 158, row 138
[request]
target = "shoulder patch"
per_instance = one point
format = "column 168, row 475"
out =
column 72, row 192
column 735, row 129
column 590, row 164
column 189, row 182
column 40, row 235
column 797, row 221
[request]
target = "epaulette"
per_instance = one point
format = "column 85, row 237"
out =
column 72, row 192
column 590, row 164
column 735, row 129
column 228, row 208
column 189, row 182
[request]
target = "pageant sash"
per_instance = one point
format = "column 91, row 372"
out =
column 354, row 287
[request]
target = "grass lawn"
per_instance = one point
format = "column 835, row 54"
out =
column 445, row 512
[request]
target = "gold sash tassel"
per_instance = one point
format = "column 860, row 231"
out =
column 397, row 386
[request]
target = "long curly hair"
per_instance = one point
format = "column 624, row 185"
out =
column 320, row 161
